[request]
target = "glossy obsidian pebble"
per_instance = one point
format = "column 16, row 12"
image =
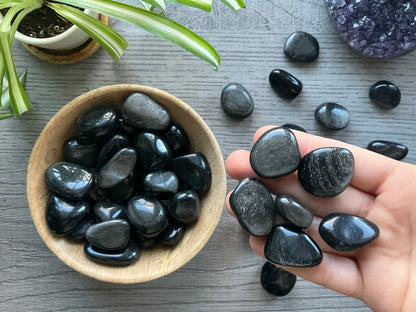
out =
column 275, row 154
column 115, row 144
column 177, row 139
column 63, row 216
column 78, row 234
column 326, row 172
column 284, row 84
column 152, row 151
column 97, row 125
column 142, row 112
column 390, row 149
column 84, row 155
column 109, row 235
column 97, row 193
column 123, row 191
column 173, row 234
column 346, row 232
column 276, row 281
column 147, row 216
column 123, row 257
column 184, row 206
column 143, row 242
column 69, row 180
column 253, row 206
column 236, row 101
column 161, row 184
column 293, row 127
column 288, row 245
column 301, row 47
column 108, row 210
column 385, row 94
column 293, row 211
column 193, row 170
column 332, row 116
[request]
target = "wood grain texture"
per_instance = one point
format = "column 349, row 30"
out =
column 225, row 275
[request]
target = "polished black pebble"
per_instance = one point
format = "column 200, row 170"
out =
column 147, row 216
column 123, row 191
column 184, row 206
column 142, row 112
column 177, row 139
column 290, row 209
column 115, row 144
column 253, row 206
column 97, row 125
column 78, row 234
column 108, row 210
column 332, row 116
column 63, row 216
column 326, row 172
column 109, row 235
column 385, row 94
column 275, row 154
column 123, row 257
column 97, row 194
column 127, row 130
column 173, row 234
column 236, row 101
column 294, row 127
column 84, row 155
column 153, row 152
column 69, row 180
column 346, row 232
column 193, row 170
column 142, row 241
column 390, row 149
column 117, row 168
column 161, row 184
column 288, row 245
column 301, row 47
column 284, row 84
column 276, row 281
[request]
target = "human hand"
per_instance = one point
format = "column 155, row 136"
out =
column 383, row 190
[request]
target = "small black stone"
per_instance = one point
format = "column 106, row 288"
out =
column 142, row 112
column 123, row 191
column 290, row 209
column 97, row 194
column 108, row 210
column 301, row 47
column 390, row 149
column 173, row 234
column 288, row 245
column 69, row 180
column 115, row 144
column 184, row 206
column 236, row 101
column 284, row 84
column 117, row 168
column 123, row 257
column 385, row 94
column 346, row 232
column 252, row 204
column 84, row 155
column 294, row 127
column 161, row 184
column 109, row 235
column 63, row 216
column 275, row 154
column 153, row 152
column 193, row 170
column 326, row 172
column 332, row 116
column 177, row 139
column 142, row 241
column 127, row 130
column 78, row 234
column 276, row 281
column 97, row 125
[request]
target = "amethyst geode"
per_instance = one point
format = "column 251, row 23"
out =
column 376, row 28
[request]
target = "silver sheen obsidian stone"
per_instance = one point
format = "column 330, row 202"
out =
column 276, row 281
column 236, row 101
column 332, row 116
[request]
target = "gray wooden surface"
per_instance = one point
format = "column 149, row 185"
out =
column 224, row 276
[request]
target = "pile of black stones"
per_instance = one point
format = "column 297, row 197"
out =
column 127, row 181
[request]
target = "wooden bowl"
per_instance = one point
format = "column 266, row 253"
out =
column 152, row 263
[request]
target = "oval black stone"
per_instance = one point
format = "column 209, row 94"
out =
column 142, row 112
column 147, row 216
column 193, row 170
column 293, row 127
column 115, row 144
column 153, row 152
column 143, row 242
column 123, row 191
column 84, row 155
column 390, row 149
column 69, row 180
column 78, row 234
column 173, row 234
column 290, row 209
column 97, row 125
column 276, row 281
column 284, row 84
column 346, row 232
column 275, row 154
column 161, row 184
column 326, row 172
column 177, row 139
column 301, row 47
column 332, row 116
column 290, row 246
column 385, row 94
column 236, row 101
column 109, row 235
column 184, row 206
column 63, row 216
column 123, row 257
column 252, row 204
column 108, row 210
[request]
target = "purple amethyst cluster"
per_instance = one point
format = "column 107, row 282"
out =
column 377, row 28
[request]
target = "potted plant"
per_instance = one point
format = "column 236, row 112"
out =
column 109, row 39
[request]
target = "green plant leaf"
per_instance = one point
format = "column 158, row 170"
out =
column 205, row 5
column 145, row 5
column 160, row 4
column 107, row 37
column 5, row 116
column 156, row 24
column 5, row 96
column 234, row 4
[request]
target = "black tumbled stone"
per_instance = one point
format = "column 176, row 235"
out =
column 124, row 190
column 108, row 210
column 115, row 144
column 236, row 101
column 301, row 47
column 80, row 154
column 332, row 116
column 390, row 149
column 143, row 242
column 122, row 257
column 276, row 281
column 97, row 125
column 385, row 94
column 193, row 170
column 177, row 139
column 161, row 184
column 152, row 151
column 184, row 206
column 290, row 209
column 78, row 234
column 293, row 127
column 173, row 234
column 284, row 84
column 109, row 235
